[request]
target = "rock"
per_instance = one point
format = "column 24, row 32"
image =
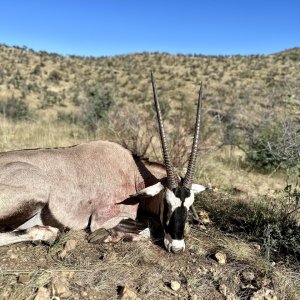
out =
column 42, row 294
column 127, row 294
column 223, row 289
column 232, row 296
column 264, row 294
column 175, row 285
column 248, row 276
column 221, row 258
column 24, row 278
column 83, row 294
column 203, row 216
column 60, row 287
column 69, row 246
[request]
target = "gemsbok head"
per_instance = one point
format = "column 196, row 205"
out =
column 178, row 195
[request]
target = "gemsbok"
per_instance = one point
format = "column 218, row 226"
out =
column 97, row 185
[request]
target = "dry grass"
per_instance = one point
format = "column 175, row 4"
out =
column 144, row 267
column 39, row 134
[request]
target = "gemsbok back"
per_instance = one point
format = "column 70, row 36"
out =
column 95, row 186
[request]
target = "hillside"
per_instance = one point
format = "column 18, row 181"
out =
column 50, row 83
column 249, row 159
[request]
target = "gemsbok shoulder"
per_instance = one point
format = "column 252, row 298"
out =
column 97, row 185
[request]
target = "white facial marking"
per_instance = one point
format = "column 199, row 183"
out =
column 172, row 200
column 173, row 245
column 189, row 201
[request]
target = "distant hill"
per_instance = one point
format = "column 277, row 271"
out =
column 50, row 83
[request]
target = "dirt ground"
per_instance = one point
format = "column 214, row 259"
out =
column 214, row 266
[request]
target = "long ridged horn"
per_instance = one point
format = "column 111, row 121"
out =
column 172, row 183
column 187, row 182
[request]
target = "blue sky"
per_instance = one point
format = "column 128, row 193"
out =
column 109, row 27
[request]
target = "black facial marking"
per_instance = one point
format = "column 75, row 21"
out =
column 19, row 232
column 176, row 224
column 177, row 220
column 182, row 193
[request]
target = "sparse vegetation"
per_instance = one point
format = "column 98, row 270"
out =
column 249, row 158
column 16, row 109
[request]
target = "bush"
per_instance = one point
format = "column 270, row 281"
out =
column 50, row 98
column 55, row 76
column 14, row 108
column 96, row 108
column 271, row 221
column 274, row 145
column 68, row 117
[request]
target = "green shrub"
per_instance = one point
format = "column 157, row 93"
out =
column 55, row 76
column 273, row 145
column 67, row 117
column 99, row 101
column 14, row 108
column 50, row 98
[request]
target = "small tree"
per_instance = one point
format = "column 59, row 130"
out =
column 14, row 108
column 99, row 101
column 274, row 144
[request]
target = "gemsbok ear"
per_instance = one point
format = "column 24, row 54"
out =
column 150, row 191
column 198, row 188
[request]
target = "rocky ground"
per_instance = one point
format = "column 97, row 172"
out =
column 214, row 266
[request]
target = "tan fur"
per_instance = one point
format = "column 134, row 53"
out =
column 72, row 186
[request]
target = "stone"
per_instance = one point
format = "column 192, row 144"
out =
column 175, row 285
column 127, row 294
column 221, row 258
column 83, row 294
column 24, row 278
column 42, row 294
column 60, row 287
column 232, row 296
column 264, row 294
column 69, row 246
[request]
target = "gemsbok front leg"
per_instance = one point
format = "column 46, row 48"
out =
column 127, row 229
column 35, row 233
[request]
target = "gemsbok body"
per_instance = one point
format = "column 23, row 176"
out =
column 93, row 186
